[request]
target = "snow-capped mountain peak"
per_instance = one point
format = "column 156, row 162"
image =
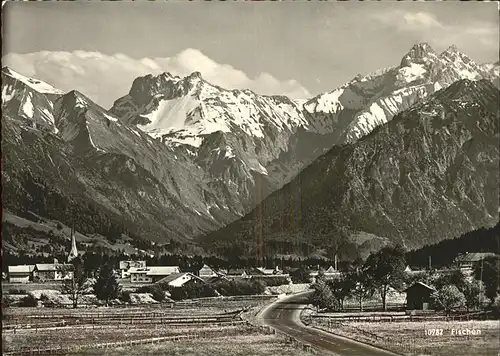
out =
column 183, row 110
column 421, row 53
column 357, row 107
column 35, row 84
column 28, row 99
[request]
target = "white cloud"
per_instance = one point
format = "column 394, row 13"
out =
column 105, row 78
column 406, row 20
column 422, row 19
column 425, row 26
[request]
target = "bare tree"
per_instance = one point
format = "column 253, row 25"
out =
column 75, row 286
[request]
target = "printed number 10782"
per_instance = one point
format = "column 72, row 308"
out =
column 434, row 332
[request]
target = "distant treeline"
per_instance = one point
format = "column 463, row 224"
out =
column 444, row 252
column 93, row 260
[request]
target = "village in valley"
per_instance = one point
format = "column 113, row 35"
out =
column 243, row 178
column 371, row 300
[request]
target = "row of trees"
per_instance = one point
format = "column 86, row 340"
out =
column 385, row 269
column 376, row 275
column 444, row 252
column 94, row 259
column 105, row 287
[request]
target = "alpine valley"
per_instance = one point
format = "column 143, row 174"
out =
column 181, row 160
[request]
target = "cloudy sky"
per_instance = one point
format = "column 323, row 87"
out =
column 294, row 48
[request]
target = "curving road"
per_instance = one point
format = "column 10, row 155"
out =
column 284, row 316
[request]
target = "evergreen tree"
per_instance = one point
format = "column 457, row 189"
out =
column 106, row 286
column 488, row 271
column 323, row 297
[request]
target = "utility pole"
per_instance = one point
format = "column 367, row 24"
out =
column 481, row 284
column 430, row 263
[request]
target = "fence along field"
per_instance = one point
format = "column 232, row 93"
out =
column 61, row 330
column 407, row 334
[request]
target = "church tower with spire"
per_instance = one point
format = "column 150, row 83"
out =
column 73, row 253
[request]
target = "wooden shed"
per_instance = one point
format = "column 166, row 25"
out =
column 418, row 296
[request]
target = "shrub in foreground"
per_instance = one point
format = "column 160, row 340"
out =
column 192, row 290
column 28, row 301
column 156, row 292
column 125, row 296
column 240, row 287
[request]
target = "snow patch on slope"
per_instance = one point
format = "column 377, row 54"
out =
column 35, row 84
column 28, row 108
column 170, row 115
column 7, row 93
column 411, row 73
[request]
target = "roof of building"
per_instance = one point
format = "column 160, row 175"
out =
column 138, row 270
column 422, row 284
column 48, row 267
column 155, row 270
column 268, row 270
column 131, row 264
column 331, row 270
column 162, row 270
column 236, row 272
column 174, row 276
column 215, row 279
column 474, row 256
column 21, row 269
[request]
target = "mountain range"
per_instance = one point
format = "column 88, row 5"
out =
column 177, row 158
column 431, row 173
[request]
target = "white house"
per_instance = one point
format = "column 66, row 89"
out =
column 21, row 273
column 126, row 265
column 53, row 271
column 269, row 271
column 332, row 272
column 467, row 261
column 179, row 279
column 139, row 275
column 206, row 272
column 233, row 273
column 151, row 274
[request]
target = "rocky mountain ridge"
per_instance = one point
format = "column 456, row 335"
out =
column 179, row 157
column 429, row 174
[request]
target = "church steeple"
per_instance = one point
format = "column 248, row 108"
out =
column 73, row 253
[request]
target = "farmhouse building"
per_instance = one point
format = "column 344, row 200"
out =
column 237, row 272
column 267, row 271
column 206, row 272
column 467, row 261
column 179, row 279
column 151, row 274
column 125, row 266
column 53, row 271
column 21, row 273
column 418, row 296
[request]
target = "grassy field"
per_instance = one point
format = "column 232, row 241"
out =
column 211, row 325
column 242, row 345
column 410, row 338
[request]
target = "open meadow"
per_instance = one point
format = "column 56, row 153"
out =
column 196, row 327
column 415, row 337
column 240, row 345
